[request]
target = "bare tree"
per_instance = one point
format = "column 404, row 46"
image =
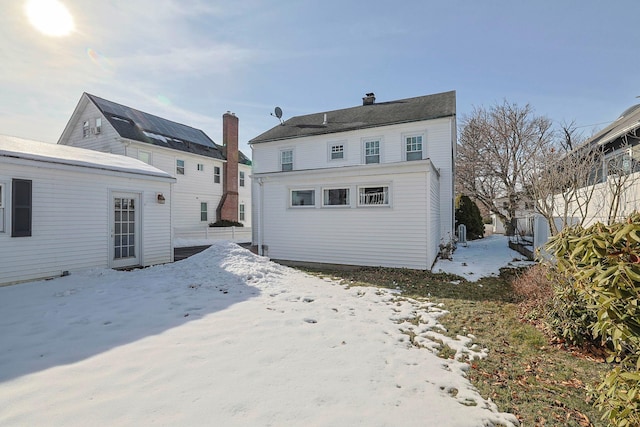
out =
column 496, row 153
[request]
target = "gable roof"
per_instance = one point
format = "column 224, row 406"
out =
column 144, row 127
column 628, row 121
column 27, row 149
column 365, row 116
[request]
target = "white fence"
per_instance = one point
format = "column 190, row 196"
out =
column 190, row 236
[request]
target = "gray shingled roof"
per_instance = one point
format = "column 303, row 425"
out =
column 140, row 126
column 365, row 116
column 628, row 121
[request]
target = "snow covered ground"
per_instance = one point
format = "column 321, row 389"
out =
column 227, row 338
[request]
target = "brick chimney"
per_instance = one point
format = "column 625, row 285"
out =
column 228, row 207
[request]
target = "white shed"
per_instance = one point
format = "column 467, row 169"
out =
column 66, row 208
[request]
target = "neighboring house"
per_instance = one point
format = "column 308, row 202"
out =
column 615, row 178
column 525, row 210
column 212, row 181
column 65, row 208
column 368, row 185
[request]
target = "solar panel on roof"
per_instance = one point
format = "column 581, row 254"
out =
column 155, row 124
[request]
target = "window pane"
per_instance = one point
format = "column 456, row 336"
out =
column 374, row 195
column 336, row 197
column 414, row 155
column 303, row 198
column 372, row 159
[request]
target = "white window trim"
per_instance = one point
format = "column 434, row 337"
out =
column 293, row 159
column 349, row 195
column 380, row 149
column 315, row 198
column 149, row 153
column 389, row 195
column 183, row 167
column 410, row 135
column 330, row 146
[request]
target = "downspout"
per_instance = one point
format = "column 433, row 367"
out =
column 260, row 218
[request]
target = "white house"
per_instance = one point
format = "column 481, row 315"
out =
column 65, row 208
column 368, row 185
column 212, row 180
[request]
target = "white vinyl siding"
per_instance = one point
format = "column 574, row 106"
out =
column 361, row 235
column 71, row 221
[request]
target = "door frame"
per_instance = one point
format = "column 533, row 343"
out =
column 137, row 234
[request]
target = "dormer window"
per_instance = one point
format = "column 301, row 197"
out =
column 86, row 130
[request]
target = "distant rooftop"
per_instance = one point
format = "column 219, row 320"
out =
column 628, row 121
column 144, row 127
column 369, row 115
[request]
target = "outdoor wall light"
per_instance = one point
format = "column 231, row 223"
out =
column 160, row 198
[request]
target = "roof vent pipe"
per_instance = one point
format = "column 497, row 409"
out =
column 324, row 122
column 369, row 99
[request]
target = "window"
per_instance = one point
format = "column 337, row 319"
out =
column 414, row 147
column 372, row 151
column 86, row 131
column 241, row 212
column 373, row 196
column 1, row 208
column 180, row 167
column 145, row 156
column 241, row 179
column 336, row 197
column 203, row 211
column 200, row 167
column 216, row 174
column 286, row 160
column 21, row 208
column 303, row 197
column 98, row 125
column 337, row 152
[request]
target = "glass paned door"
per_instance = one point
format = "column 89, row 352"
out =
column 125, row 236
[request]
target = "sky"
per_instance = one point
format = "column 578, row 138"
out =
column 229, row 338
column 190, row 61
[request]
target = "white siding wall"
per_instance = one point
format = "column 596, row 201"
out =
column 70, row 220
column 189, row 191
column 434, row 219
column 106, row 141
column 244, row 195
column 394, row 236
column 313, row 153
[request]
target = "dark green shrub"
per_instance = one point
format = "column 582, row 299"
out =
column 602, row 263
column 226, row 223
column 467, row 213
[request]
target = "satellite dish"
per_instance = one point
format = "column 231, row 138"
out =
column 278, row 113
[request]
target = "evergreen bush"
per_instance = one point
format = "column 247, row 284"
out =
column 602, row 266
column 468, row 213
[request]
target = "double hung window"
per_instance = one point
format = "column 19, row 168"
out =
column 413, row 146
column 241, row 179
column 372, row 151
column 203, row 211
column 286, row 160
column 337, row 151
column 216, row 174
column 180, row 167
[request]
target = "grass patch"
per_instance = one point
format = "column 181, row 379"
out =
column 541, row 382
